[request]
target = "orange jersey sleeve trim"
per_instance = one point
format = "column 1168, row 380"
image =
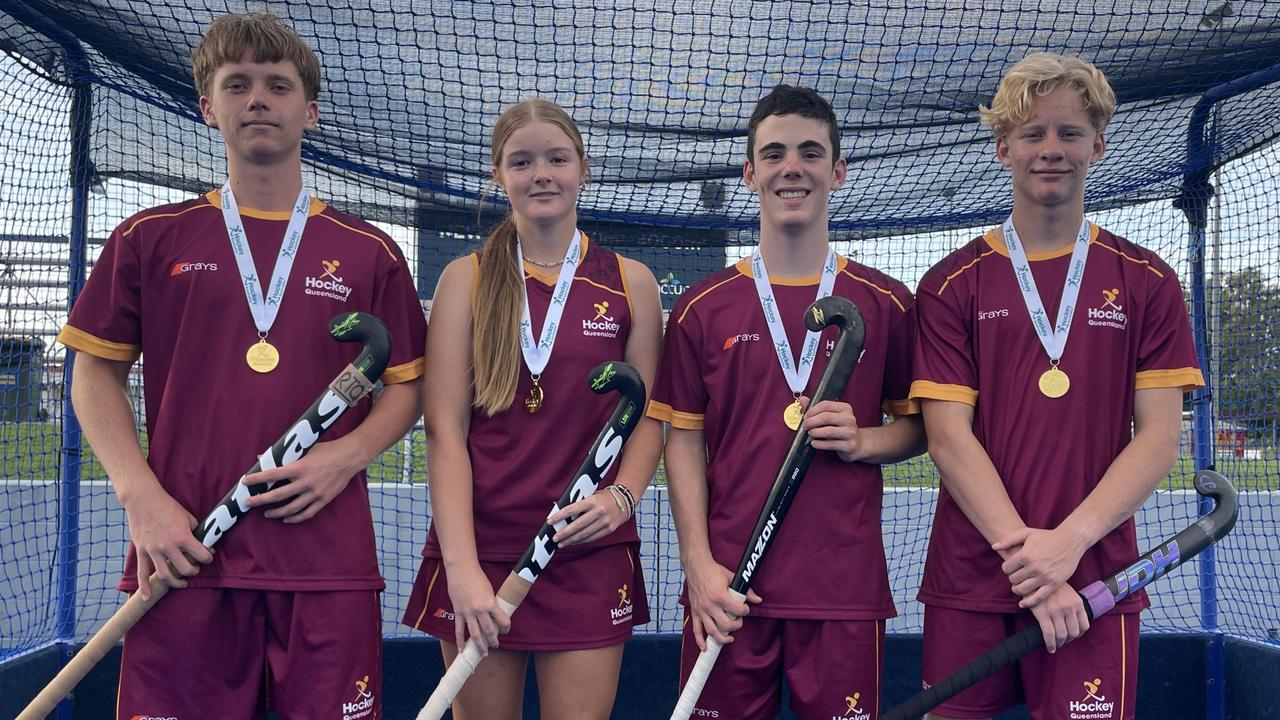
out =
column 404, row 373
column 79, row 340
column 127, row 231
column 1185, row 378
column 704, row 293
column 877, row 288
column 929, row 390
column 626, row 288
column 899, row 408
column 677, row 419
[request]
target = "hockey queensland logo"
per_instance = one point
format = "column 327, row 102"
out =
column 362, row 705
column 602, row 323
column 1094, row 705
column 853, row 709
column 1110, row 313
column 328, row 283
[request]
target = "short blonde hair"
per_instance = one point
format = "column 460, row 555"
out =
column 270, row 40
column 1039, row 74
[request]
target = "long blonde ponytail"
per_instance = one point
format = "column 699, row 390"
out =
column 496, row 337
column 500, row 287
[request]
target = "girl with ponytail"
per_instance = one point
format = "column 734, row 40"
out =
column 515, row 328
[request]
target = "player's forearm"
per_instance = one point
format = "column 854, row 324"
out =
column 396, row 410
column 687, row 490
column 450, row 487
column 640, row 457
column 968, row 474
column 901, row 439
column 1137, row 470
column 98, row 393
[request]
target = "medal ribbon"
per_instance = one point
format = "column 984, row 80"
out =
column 797, row 377
column 264, row 309
column 536, row 355
column 1052, row 337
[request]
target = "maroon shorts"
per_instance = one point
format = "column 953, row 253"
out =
column 1094, row 677
column 219, row 652
column 578, row 603
column 833, row 669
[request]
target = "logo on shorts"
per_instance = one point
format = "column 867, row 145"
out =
column 328, row 284
column 1094, row 705
column 622, row 613
column 602, row 325
column 443, row 614
column 853, row 711
column 154, row 717
column 1110, row 313
column 186, row 267
column 361, row 706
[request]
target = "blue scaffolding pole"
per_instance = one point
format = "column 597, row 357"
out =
column 69, row 477
column 1197, row 191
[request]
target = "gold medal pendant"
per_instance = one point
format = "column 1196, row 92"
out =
column 533, row 403
column 262, row 356
column 1054, row 383
column 793, row 415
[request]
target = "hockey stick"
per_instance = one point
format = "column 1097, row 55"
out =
column 608, row 445
column 831, row 310
column 354, row 382
column 1099, row 596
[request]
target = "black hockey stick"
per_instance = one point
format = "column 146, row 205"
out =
column 604, row 378
column 353, row 383
column 831, row 310
column 1099, row 596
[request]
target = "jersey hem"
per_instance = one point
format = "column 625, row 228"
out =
column 237, row 582
column 929, row 390
column 81, row 341
column 677, row 419
column 1130, row 604
column 404, row 373
column 1185, row 378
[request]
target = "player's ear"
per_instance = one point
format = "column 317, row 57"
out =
column 839, row 173
column 313, row 115
column 749, row 175
column 206, row 111
column 1002, row 150
column 1099, row 148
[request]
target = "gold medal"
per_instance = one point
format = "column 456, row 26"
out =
column 533, row 403
column 262, row 356
column 1054, row 383
column 793, row 415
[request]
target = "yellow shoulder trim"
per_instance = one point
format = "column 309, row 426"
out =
column 411, row 370
column 1185, row 378
column 929, row 390
column 959, row 272
column 1136, row 261
column 79, row 340
column 626, row 289
column 141, row 220
column 358, row 231
column 877, row 288
column 315, row 208
column 677, row 419
column 899, row 408
column 606, row 288
column 704, row 293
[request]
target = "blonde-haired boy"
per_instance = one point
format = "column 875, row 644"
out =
column 1040, row 345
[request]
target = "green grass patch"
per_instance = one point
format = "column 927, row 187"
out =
column 33, row 451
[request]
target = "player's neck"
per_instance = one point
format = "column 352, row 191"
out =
column 1046, row 229
column 794, row 255
column 546, row 241
column 269, row 188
